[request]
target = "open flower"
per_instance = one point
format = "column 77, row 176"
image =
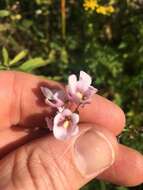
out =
column 90, row 4
column 105, row 10
column 54, row 98
column 65, row 124
column 80, row 91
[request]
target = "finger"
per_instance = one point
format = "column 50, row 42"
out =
column 49, row 163
column 23, row 104
column 21, row 99
column 127, row 169
column 104, row 113
column 12, row 139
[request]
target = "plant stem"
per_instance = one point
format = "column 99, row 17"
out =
column 63, row 18
column 102, row 185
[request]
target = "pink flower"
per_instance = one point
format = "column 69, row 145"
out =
column 54, row 98
column 80, row 91
column 65, row 124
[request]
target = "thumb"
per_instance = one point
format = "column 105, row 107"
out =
column 51, row 164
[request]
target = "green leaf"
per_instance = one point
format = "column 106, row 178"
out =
column 32, row 64
column 40, row 2
column 2, row 67
column 5, row 56
column 18, row 57
column 102, row 185
column 122, row 188
column 4, row 13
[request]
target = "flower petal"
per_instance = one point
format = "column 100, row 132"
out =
column 75, row 118
column 82, row 86
column 47, row 92
column 66, row 112
column 75, row 131
column 72, row 80
column 58, row 118
column 59, row 97
column 50, row 103
column 91, row 91
column 60, row 109
column 60, row 133
column 85, row 77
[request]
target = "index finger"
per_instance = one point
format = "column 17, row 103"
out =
column 104, row 113
column 21, row 97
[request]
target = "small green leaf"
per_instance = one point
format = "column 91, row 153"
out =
column 18, row 57
column 4, row 13
column 40, row 2
column 122, row 188
column 2, row 67
column 32, row 64
column 5, row 56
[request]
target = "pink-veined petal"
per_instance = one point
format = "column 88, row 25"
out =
column 62, row 95
column 75, row 118
column 90, row 92
column 58, row 118
column 66, row 112
column 59, row 98
column 60, row 109
column 60, row 133
column 72, row 130
column 50, row 103
column 47, row 92
column 72, row 80
column 85, row 77
column 82, row 86
column 93, row 89
column 75, row 131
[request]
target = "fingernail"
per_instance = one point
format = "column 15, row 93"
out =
column 93, row 153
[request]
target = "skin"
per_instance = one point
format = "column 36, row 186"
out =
column 28, row 152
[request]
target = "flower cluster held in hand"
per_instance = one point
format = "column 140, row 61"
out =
column 64, row 124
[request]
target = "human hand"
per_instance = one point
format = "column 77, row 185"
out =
column 32, row 159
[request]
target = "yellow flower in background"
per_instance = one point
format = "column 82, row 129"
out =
column 90, row 4
column 16, row 17
column 93, row 5
column 105, row 10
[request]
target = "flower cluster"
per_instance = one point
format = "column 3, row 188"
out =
column 93, row 5
column 104, row 10
column 64, row 124
column 90, row 4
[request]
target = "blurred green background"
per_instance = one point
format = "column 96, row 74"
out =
column 54, row 38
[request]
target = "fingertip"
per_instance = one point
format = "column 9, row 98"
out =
column 133, row 161
column 104, row 113
column 118, row 119
column 127, row 169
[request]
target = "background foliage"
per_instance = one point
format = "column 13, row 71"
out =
column 55, row 38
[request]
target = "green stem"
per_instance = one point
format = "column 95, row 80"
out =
column 102, row 185
column 63, row 18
